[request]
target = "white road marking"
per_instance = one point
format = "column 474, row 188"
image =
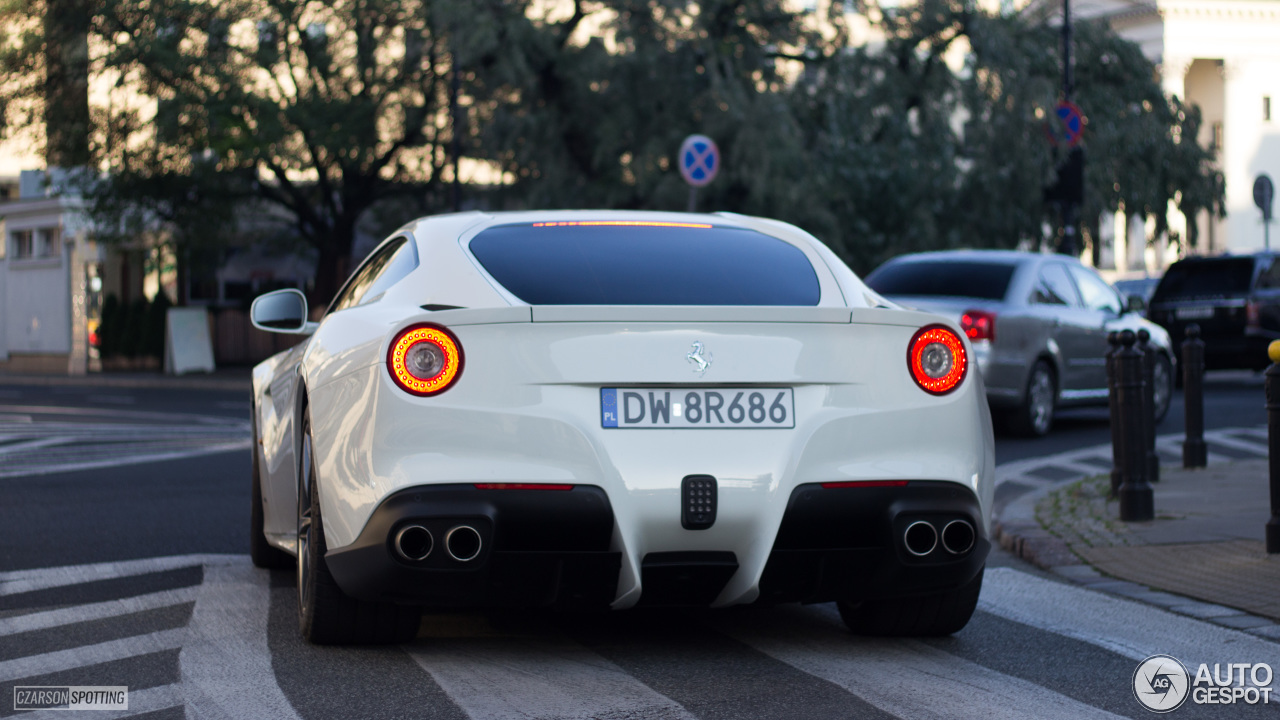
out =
column 116, row 414
column 1239, row 444
column 127, row 460
column 113, row 399
column 1127, row 627
column 25, row 445
column 85, row 655
column 140, row 701
column 516, row 678
column 908, row 678
column 21, row 581
column 94, row 611
column 226, row 662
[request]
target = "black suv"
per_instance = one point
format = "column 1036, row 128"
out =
column 1234, row 299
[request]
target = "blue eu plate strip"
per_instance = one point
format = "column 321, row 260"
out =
column 609, row 407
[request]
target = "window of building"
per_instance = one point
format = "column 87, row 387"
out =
column 22, row 244
column 1217, row 136
column 1266, row 108
column 48, row 242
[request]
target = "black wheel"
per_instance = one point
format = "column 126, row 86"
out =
column 326, row 615
column 1162, row 380
column 263, row 553
column 1035, row 415
column 941, row 613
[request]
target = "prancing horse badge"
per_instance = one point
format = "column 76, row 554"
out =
column 695, row 356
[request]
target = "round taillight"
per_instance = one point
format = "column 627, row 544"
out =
column 425, row 359
column 937, row 359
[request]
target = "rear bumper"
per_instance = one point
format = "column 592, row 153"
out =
column 845, row 543
column 543, row 548
column 538, row 548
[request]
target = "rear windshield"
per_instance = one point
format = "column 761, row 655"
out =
column 1208, row 278
column 952, row 278
column 653, row 264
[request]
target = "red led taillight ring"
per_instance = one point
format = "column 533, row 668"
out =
column 959, row 359
column 449, row 346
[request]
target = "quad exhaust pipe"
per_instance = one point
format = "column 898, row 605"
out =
column 462, row 542
column 414, row 543
column 958, row 537
column 921, row 537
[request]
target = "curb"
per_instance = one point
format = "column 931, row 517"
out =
column 1019, row 533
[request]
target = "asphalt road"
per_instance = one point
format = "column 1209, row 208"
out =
column 124, row 569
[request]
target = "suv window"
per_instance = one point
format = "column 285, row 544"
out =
column 1096, row 293
column 1270, row 277
column 645, row 263
column 1205, row 278
column 1055, row 287
column 951, row 278
column 384, row 268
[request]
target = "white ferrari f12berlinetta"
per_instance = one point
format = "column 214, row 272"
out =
column 605, row 409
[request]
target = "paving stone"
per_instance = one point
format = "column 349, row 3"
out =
column 1243, row 622
column 1204, row 610
column 1267, row 631
column 1078, row 572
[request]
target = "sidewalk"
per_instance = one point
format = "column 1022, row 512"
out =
column 236, row 379
column 1206, row 542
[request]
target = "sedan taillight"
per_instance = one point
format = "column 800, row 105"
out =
column 979, row 325
column 425, row 359
column 937, row 359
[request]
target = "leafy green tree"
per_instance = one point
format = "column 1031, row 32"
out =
column 320, row 109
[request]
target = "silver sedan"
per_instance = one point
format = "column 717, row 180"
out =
column 1038, row 324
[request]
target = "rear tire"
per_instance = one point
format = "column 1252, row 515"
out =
column 326, row 615
column 936, row 614
column 1034, row 416
column 263, row 553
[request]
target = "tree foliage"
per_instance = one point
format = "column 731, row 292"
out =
column 931, row 138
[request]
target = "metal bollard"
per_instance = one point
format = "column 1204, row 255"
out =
column 1149, row 406
column 1194, row 452
column 1273, row 444
column 1137, row 502
column 1113, row 403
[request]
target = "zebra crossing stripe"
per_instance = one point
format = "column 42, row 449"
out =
column 908, row 678
column 46, row 663
column 94, row 611
column 22, row 581
column 1126, row 627
column 512, row 678
column 226, row 662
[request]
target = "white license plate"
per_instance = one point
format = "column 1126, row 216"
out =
column 697, row 408
column 1194, row 313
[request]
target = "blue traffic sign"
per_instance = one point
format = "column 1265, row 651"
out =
column 1067, row 124
column 699, row 160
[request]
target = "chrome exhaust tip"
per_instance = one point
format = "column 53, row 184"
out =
column 462, row 543
column 920, row 538
column 958, row 537
column 413, row 543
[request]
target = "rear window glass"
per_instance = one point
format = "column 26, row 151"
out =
column 1218, row 277
column 628, row 264
column 951, row 278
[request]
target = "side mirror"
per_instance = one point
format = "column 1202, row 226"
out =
column 1136, row 304
column 281, row 311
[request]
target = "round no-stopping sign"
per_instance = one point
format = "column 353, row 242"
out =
column 699, row 160
column 1067, row 124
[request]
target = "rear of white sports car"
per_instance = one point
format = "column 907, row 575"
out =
column 655, row 410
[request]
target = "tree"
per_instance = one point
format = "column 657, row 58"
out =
column 322, row 109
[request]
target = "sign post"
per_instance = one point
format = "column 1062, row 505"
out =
column 699, row 161
column 1264, row 192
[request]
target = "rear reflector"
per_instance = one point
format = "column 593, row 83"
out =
column 522, row 486
column 865, row 484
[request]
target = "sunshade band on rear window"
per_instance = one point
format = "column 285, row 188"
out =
column 645, row 263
